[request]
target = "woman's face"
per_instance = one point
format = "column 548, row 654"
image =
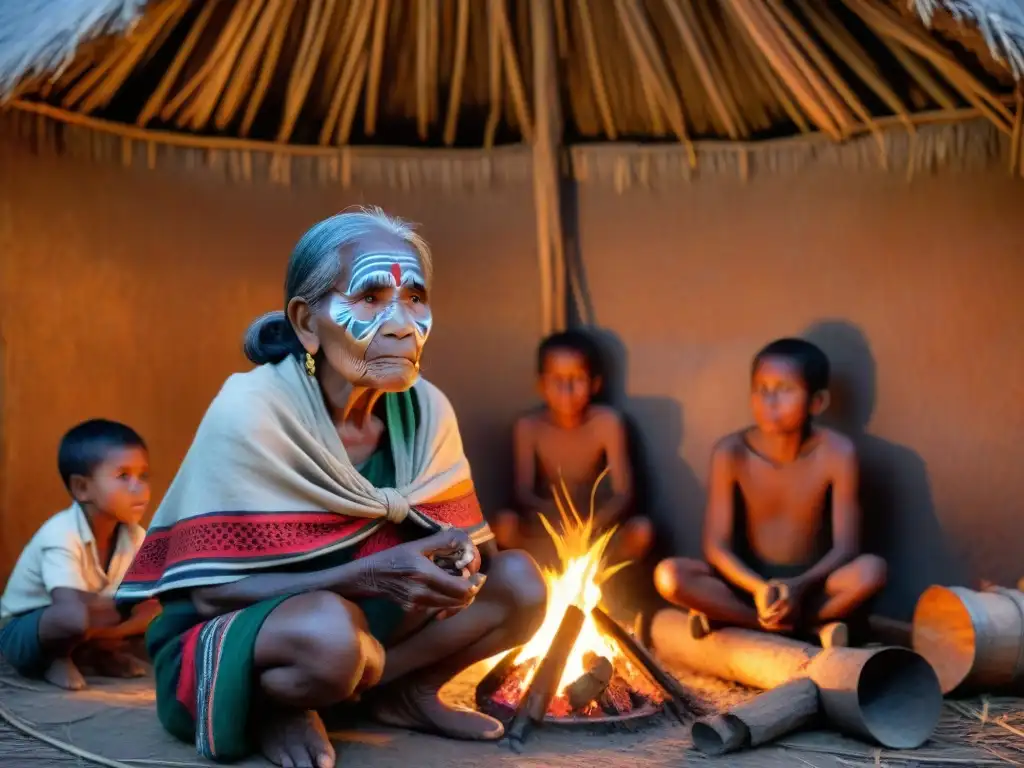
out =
column 374, row 323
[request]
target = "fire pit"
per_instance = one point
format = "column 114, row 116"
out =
column 580, row 668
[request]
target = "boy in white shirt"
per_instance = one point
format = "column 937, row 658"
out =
column 59, row 599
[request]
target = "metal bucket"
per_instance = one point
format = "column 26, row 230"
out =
column 974, row 640
column 887, row 695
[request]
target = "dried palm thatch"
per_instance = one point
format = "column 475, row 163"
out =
column 335, row 72
column 43, row 35
column 1001, row 23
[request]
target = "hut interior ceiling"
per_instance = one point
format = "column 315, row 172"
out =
column 458, row 72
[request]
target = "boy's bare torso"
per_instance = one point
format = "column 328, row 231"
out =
column 573, row 456
column 785, row 504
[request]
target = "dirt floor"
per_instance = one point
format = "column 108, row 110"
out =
column 115, row 721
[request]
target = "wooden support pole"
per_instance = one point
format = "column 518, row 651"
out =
column 547, row 149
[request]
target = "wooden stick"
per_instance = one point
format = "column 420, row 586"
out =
column 847, row 48
column 762, row 719
column 262, row 85
column 808, row 59
column 1015, row 140
column 137, row 43
column 458, row 72
column 248, row 64
column 682, row 705
column 654, row 78
column 422, row 54
column 341, row 42
column 594, row 66
column 591, row 684
column 156, row 99
column 512, row 73
column 348, row 111
column 494, row 75
column 491, row 682
column 749, row 14
column 534, row 704
column 232, row 34
column 918, row 70
column 313, row 37
column 546, row 150
column 380, row 28
column 880, row 18
column 831, row 74
column 689, row 31
column 561, row 28
column 348, row 73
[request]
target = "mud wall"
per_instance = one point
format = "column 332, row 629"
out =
column 914, row 290
column 126, row 293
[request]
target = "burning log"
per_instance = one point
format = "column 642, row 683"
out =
column 679, row 700
column 615, row 700
column 534, row 704
column 592, row 683
column 762, row 719
column 887, row 695
column 491, row 682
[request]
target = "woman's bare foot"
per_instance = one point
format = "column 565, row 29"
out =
column 295, row 739
column 64, row 674
column 418, row 708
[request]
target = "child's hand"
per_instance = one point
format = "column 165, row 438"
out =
column 773, row 602
column 765, row 597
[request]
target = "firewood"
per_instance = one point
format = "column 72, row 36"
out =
column 493, row 680
column 591, row 684
column 758, row 721
column 534, row 704
column 615, row 700
column 865, row 692
column 680, row 702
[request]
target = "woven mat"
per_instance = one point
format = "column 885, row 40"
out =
column 116, row 720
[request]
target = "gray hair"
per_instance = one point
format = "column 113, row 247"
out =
column 314, row 268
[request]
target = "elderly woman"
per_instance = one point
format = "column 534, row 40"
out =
column 320, row 539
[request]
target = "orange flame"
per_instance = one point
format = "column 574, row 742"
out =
column 577, row 580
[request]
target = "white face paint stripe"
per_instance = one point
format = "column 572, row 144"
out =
column 381, row 269
column 381, row 264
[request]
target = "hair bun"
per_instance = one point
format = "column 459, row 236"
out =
column 269, row 339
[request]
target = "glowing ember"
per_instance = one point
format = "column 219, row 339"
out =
column 576, row 582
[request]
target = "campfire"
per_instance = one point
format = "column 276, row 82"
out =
column 580, row 667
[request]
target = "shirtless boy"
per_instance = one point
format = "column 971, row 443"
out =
column 771, row 560
column 59, row 599
column 572, row 439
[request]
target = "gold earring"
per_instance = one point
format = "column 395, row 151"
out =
column 310, row 365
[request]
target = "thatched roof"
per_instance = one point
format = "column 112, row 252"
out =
column 445, row 72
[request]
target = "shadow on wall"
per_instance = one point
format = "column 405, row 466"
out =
column 665, row 487
column 899, row 513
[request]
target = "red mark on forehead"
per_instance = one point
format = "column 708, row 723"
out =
column 396, row 272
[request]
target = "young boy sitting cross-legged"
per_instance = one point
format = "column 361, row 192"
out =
column 571, row 440
column 59, row 599
column 782, row 528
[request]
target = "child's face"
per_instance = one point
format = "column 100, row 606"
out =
column 119, row 487
column 565, row 383
column 778, row 396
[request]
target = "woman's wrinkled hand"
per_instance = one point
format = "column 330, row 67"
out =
column 410, row 576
